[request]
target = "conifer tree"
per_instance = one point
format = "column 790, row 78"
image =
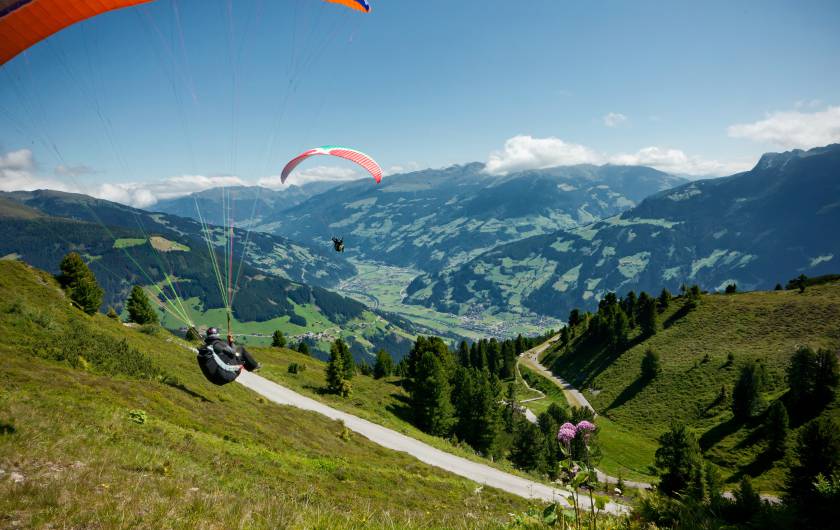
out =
column 336, row 383
column 520, row 344
column 139, row 308
column 464, row 354
column 528, row 450
column 746, row 396
column 664, row 299
column 384, row 365
column 574, row 318
column 430, row 396
column 629, row 307
column 278, row 340
column 303, row 348
column 646, row 314
column 486, row 413
column 677, row 459
column 776, row 427
column 80, row 283
column 342, row 352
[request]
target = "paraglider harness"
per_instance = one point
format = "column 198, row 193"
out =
column 222, row 362
column 338, row 243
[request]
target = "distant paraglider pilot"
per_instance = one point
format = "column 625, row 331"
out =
column 221, row 362
column 338, row 244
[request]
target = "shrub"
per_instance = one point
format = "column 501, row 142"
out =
column 295, row 368
column 651, row 366
column 137, row 416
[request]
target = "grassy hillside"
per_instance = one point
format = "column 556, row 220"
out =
column 383, row 401
column 102, row 425
column 694, row 347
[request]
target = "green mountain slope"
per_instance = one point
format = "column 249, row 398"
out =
column 754, row 229
column 141, row 248
column 694, row 347
column 102, row 425
column 270, row 254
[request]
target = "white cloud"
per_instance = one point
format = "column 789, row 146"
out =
column 793, row 129
column 402, row 168
column 676, row 161
column 143, row 194
column 18, row 171
column 313, row 174
column 614, row 119
column 526, row 152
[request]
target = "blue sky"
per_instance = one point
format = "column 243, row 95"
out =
column 133, row 105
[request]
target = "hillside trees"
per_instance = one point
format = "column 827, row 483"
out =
column 646, row 314
column 746, row 396
column 80, row 283
column 813, row 377
column 529, row 449
column 818, row 454
column 139, row 308
column 678, row 460
column 278, row 340
column 337, row 383
column 384, row 365
column 776, row 427
column 430, row 395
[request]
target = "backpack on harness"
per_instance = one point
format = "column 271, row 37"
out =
column 218, row 368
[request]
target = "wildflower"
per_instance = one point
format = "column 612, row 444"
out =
column 566, row 433
column 585, row 428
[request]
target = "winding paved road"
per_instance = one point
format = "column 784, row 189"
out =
column 391, row 439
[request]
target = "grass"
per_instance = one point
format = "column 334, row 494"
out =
column 693, row 347
column 259, row 333
column 553, row 393
column 165, row 245
column 128, row 242
column 382, row 401
column 97, row 447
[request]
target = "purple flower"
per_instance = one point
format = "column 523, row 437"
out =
column 586, row 426
column 566, row 433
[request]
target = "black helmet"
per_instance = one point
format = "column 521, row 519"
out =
column 212, row 333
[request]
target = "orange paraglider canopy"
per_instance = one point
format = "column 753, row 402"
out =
column 25, row 22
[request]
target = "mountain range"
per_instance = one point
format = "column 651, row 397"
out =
column 439, row 218
column 753, row 229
